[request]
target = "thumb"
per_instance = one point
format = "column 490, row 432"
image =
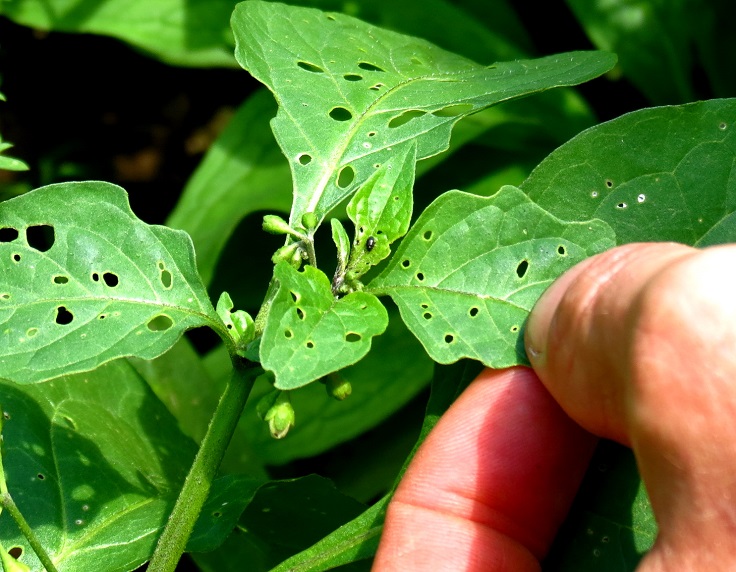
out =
column 637, row 345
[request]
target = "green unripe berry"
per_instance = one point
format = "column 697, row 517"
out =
column 310, row 220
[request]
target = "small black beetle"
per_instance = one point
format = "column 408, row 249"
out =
column 370, row 243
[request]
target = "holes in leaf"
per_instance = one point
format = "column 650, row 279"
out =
column 352, row 77
column 405, row 118
column 216, row 514
column 340, row 114
column 41, row 477
column 294, row 296
column 16, row 552
column 16, row 257
column 722, row 126
column 369, row 67
column 4, row 296
column 288, row 334
column 371, row 134
column 453, row 110
column 427, row 315
column 417, row 61
column 621, row 205
column 561, row 250
column 376, row 87
column 449, row 338
column 473, row 312
column 522, row 268
column 345, row 177
column 95, row 277
column 40, row 237
column 425, row 306
column 31, row 332
column 63, row 316
column 609, row 183
column 166, row 279
column 310, row 67
column 8, row 234
column 406, row 263
column 102, row 316
column 6, row 415
column 353, row 337
column 427, row 235
column 594, row 194
column 110, row 279
column 304, row 158
column 514, row 329
column 420, row 276
column 60, row 279
column 310, row 344
column 160, row 323
column 300, row 313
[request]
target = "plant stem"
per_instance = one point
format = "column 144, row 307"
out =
column 197, row 485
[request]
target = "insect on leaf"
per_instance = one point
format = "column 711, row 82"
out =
column 349, row 93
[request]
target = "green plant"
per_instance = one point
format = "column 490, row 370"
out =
column 95, row 459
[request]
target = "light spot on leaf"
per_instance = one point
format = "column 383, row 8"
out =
column 160, row 323
column 40, row 237
column 594, row 194
column 310, row 67
column 641, row 198
column 31, row 332
column 341, row 114
column 345, row 177
column 417, row 61
column 63, row 316
column 8, row 234
column 369, row 67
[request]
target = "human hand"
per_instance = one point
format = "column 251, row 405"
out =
column 637, row 345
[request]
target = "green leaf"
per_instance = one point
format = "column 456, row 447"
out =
column 243, row 172
column 651, row 39
column 376, row 90
column 83, row 281
column 94, row 470
column 655, row 174
column 310, row 333
column 283, row 518
column 180, row 32
column 381, row 210
column 471, row 268
column 9, row 163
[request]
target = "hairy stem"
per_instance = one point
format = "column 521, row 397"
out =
column 197, row 485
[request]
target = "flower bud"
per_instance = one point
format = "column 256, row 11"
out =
column 274, row 224
column 338, row 387
column 275, row 408
column 291, row 253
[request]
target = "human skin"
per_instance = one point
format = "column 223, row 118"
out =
column 637, row 345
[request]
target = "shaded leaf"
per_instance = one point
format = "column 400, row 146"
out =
column 309, row 333
column 376, row 89
column 651, row 39
column 656, row 174
column 243, row 172
column 94, row 471
column 610, row 525
column 9, row 163
column 283, row 518
column 471, row 268
column 83, row 281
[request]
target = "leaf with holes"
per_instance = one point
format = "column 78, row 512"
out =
column 656, row 174
column 471, row 268
column 381, row 210
column 349, row 93
column 309, row 333
column 94, row 471
column 83, row 281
